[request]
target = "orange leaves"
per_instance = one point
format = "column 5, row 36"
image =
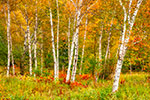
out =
column 45, row 79
column 77, row 84
column 122, row 81
column 85, row 77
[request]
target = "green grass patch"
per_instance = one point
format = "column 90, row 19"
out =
column 132, row 87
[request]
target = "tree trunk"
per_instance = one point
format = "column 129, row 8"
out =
column 108, row 46
column 124, row 42
column 69, row 39
column 83, row 45
column 107, row 50
column 73, row 44
column 42, row 55
column 8, row 38
column 30, row 52
column 35, row 38
column 57, row 39
column 12, row 57
column 53, row 47
column 24, row 53
column 100, row 49
column 75, row 59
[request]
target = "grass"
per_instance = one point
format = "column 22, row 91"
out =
column 132, row 87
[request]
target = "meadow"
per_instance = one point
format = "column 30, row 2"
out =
column 135, row 86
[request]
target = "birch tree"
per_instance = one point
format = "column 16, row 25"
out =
column 41, row 47
column 100, row 51
column 53, row 47
column 83, row 45
column 108, row 46
column 29, row 40
column 69, row 38
column 35, row 38
column 12, row 57
column 75, row 59
column 8, row 38
column 57, row 39
column 128, row 19
column 78, row 6
column 75, row 39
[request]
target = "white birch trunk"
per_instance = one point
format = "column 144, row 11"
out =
column 75, row 59
column 35, row 38
column 42, row 55
column 100, row 48
column 78, row 13
column 73, row 44
column 57, row 39
column 124, row 43
column 8, row 38
column 53, row 47
column 69, row 39
column 83, row 45
column 12, row 57
column 108, row 48
column 30, row 52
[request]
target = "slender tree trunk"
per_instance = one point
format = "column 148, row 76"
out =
column 53, row 47
column 75, row 59
column 42, row 55
column 30, row 52
column 8, row 38
column 100, row 49
column 108, row 45
column 12, row 57
column 73, row 44
column 78, row 6
column 57, row 39
column 124, row 42
column 83, row 45
column 69, row 39
column 24, row 53
column 107, row 50
column 35, row 38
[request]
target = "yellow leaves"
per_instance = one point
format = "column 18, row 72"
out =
column 135, row 48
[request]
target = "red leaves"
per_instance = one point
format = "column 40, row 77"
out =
column 122, row 81
column 45, row 79
column 77, row 84
column 62, row 75
column 85, row 77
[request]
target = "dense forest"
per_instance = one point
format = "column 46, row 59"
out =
column 70, row 44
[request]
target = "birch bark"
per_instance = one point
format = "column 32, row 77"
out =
column 29, row 46
column 124, row 41
column 35, row 38
column 53, row 47
column 75, row 60
column 42, row 54
column 69, row 39
column 12, row 57
column 108, row 45
column 8, row 38
column 57, row 39
column 73, row 44
column 83, row 45
column 78, row 7
column 100, row 49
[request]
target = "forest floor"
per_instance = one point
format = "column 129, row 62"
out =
column 135, row 86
